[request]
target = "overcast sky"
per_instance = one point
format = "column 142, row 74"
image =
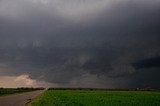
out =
column 80, row 43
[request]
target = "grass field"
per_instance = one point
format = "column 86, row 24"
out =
column 97, row 98
column 7, row 91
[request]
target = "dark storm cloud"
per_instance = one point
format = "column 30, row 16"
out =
column 95, row 47
column 148, row 63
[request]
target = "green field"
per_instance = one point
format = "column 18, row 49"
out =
column 7, row 91
column 97, row 98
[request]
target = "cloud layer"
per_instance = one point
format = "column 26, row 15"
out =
column 82, row 43
column 22, row 81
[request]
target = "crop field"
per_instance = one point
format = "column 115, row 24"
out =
column 7, row 91
column 97, row 98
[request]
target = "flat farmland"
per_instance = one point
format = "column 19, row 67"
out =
column 8, row 91
column 97, row 98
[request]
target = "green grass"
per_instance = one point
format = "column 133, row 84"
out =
column 97, row 98
column 7, row 91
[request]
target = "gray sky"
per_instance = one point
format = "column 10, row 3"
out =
column 80, row 43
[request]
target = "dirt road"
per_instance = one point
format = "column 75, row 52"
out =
column 18, row 99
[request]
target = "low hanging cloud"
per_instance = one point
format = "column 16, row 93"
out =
column 82, row 43
column 22, row 81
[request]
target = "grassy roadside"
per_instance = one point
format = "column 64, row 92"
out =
column 29, row 102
